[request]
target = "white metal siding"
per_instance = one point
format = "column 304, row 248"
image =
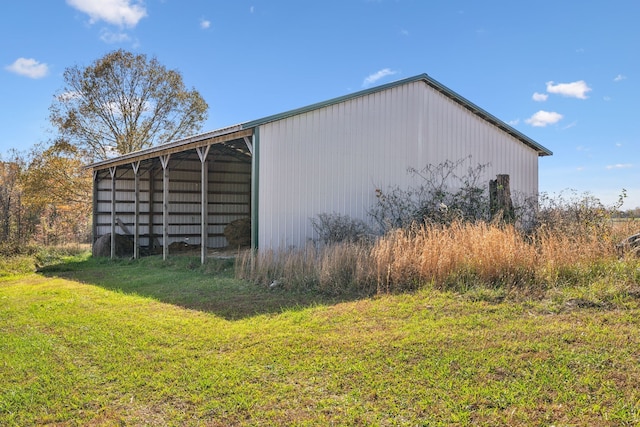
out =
column 332, row 159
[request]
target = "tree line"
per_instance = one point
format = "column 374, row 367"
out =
column 121, row 103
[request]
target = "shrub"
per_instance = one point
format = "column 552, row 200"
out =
column 441, row 197
column 336, row 228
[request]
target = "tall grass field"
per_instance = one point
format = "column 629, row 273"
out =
column 438, row 326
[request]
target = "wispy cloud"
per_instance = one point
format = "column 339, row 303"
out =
column 373, row 78
column 513, row 122
column 577, row 89
column 252, row 9
column 205, row 23
column 28, row 67
column 540, row 97
column 123, row 13
column 543, row 118
column 619, row 78
column 110, row 37
column 620, row 166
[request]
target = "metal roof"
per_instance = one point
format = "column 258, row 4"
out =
column 241, row 130
column 217, row 136
column 542, row 151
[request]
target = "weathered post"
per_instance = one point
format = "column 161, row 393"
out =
column 500, row 202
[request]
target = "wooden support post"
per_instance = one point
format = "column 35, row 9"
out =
column 136, row 210
column 112, row 171
column 151, row 216
column 165, row 205
column 203, row 152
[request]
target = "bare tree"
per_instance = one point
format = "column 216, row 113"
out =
column 123, row 103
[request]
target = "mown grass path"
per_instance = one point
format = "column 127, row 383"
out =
column 124, row 343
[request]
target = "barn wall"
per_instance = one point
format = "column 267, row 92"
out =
column 332, row 159
column 229, row 190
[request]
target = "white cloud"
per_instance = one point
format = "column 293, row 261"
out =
column 543, row 118
column 28, row 67
column 124, row 13
column 371, row 79
column 619, row 78
column 577, row 89
column 540, row 97
column 204, row 24
column 109, row 37
column 620, row 166
column 513, row 122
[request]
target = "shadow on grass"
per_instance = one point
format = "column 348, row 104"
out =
column 185, row 282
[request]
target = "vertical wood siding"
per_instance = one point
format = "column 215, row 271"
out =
column 332, row 159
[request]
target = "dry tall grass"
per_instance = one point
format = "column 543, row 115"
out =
column 334, row 269
column 462, row 253
column 458, row 256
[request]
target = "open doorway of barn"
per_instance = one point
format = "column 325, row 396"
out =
column 173, row 200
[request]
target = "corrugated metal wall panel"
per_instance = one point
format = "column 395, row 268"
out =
column 332, row 159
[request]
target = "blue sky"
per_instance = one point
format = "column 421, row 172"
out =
column 565, row 73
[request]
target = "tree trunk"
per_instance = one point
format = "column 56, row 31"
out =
column 500, row 199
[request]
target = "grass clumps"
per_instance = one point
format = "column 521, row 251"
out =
column 23, row 259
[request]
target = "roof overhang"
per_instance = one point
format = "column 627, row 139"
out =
column 219, row 136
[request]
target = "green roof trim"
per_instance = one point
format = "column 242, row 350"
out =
column 473, row 108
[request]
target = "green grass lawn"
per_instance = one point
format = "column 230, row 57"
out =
column 96, row 342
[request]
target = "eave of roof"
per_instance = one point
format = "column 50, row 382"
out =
column 203, row 139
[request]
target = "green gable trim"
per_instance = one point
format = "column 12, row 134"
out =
column 542, row 151
column 255, row 188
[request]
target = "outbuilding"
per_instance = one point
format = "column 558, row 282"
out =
column 280, row 171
